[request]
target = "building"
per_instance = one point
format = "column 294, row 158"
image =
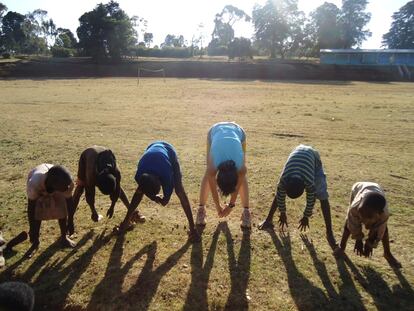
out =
column 357, row 57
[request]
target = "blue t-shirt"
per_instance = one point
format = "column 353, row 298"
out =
column 226, row 143
column 158, row 160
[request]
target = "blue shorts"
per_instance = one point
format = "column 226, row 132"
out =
column 321, row 187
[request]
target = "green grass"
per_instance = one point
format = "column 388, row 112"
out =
column 364, row 131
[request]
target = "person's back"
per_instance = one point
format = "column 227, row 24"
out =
column 226, row 143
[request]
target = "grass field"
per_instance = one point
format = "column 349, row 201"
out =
column 364, row 131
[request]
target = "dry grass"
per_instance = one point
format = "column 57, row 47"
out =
column 364, row 131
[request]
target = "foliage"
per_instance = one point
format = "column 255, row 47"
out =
column 223, row 32
column 278, row 26
column 58, row 51
column 352, row 21
column 106, row 32
column 401, row 33
column 165, row 52
column 65, row 38
column 214, row 49
column 324, row 30
column 6, row 55
column 148, row 38
column 241, row 48
column 173, row 41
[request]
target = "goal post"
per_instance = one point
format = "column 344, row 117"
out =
column 142, row 69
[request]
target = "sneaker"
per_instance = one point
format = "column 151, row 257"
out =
column 136, row 217
column 201, row 216
column 246, row 219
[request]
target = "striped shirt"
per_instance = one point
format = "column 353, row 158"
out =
column 302, row 162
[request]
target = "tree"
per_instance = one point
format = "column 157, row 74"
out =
column 240, row 47
column 106, row 31
column 325, row 27
column 14, row 36
column 3, row 9
column 278, row 26
column 352, row 21
column 173, row 41
column 223, row 32
column 401, row 33
column 148, row 38
column 65, row 38
column 50, row 31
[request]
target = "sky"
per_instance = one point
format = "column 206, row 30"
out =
column 183, row 17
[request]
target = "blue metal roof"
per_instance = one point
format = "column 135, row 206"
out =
column 348, row 51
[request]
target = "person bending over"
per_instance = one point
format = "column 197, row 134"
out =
column 98, row 168
column 368, row 207
column 226, row 169
column 159, row 168
column 49, row 193
column 303, row 171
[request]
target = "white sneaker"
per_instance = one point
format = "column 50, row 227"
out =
column 246, row 219
column 201, row 216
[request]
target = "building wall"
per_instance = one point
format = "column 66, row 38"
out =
column 367, row 58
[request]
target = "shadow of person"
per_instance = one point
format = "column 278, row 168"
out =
column 200, row 275
column 305, row 294
column 139, row 296
column 56, row 280
column 347, row 290
column 320, row 268
column 384, row 299
column 239, row 272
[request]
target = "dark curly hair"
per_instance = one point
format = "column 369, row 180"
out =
column 227, row 177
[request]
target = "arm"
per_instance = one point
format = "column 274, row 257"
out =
column 211, row 174
column 90, row 199
column 185, row 203
column 115, row 195
column 310, row 200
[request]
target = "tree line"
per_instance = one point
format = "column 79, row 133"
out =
column 280, row 30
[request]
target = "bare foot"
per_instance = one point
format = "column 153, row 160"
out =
column 393, row 262
column 136, row 217
column 65, row 242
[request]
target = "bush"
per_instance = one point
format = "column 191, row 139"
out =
column 6, row 55
column 170, row 52
column 58, row 51
column 220, row 50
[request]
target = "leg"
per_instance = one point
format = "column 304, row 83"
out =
column 124, row 198
column 72, row 208
column 204, row 190
column 34, row 228
column 387, row 252
column 326, row 212
column 90, row 199
column 64, row 240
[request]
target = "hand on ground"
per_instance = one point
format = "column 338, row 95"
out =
column 303, row 224
column 283, row 221
column 359, row 247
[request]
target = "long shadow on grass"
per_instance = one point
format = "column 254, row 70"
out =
column 305, row 295
column 400, row 298
column 348, row 297
column 108, row 293
column 56, row 279
column 239, row 272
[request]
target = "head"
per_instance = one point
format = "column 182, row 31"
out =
column 16, row 296
column 106, row 182
column 149, row 184
column 371, row 204
column 58, row 178
column 227, row 177
column 294, row 186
